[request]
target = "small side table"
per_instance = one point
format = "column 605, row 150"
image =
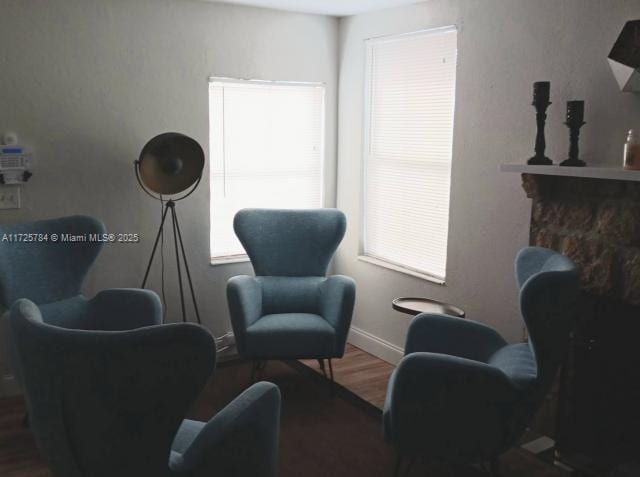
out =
column 415, row 306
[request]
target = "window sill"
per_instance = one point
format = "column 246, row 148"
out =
column 401, row 269
column 215, row 261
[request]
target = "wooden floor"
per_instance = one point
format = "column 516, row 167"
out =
column 18, row 454
column 368, row 376
column 361, row 373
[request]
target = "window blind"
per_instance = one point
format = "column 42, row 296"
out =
column 266, row 150
column 409, row 106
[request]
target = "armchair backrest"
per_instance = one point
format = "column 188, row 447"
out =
column 42, row 270
column 291, row 243
column 107, row 403
column 549, row 288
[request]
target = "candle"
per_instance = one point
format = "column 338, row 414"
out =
column 575, row 111
column 541, row 91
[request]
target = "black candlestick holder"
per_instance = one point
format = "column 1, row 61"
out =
column 539, row 159
column 575, row 114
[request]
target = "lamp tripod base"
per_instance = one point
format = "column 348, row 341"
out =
column 181, row 258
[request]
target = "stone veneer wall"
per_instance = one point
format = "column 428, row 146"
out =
column 596, row 222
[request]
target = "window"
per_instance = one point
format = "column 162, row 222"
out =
column 267, row 150
column 410, row 94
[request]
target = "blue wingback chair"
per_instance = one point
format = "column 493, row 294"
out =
column 290, row 309
column 112, row 403
column 51, row 273
column 462, row 394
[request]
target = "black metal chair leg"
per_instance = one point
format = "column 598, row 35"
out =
column 254, row 367
column 409, row 467
column 322, row 367
column 262, row 367
column 399, row 459
column 494, row 466
column 257, row 369
column 398, row 471
column 332, row 381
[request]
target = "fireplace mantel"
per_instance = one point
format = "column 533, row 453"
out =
column 614, row 173
column 591, row 214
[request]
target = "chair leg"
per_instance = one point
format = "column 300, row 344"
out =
column 254, row 368
column 322, row 367
column 398, row 471
column 398, row 467
column 409, row 467
column 26, row 422
column 263, row 366
column 494, row 466
column 328, row 377
column 257, row 368
column 332, row 381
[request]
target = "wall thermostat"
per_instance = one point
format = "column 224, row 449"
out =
column 15, row 162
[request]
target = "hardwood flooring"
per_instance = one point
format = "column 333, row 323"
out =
column 361, row 373
column 19, row 456
column 367, row 376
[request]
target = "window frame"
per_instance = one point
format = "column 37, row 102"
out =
column 243, row 257
column 366, row 152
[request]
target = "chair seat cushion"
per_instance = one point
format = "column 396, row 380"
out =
column 517, row 362
column 290, row 336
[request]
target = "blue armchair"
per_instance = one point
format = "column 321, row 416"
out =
column 462, row 394
column 51, row 273
column 112, row 403
column 290, row 309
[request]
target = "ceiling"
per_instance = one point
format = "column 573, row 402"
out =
column 338, row 8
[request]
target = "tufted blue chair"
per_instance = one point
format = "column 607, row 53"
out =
column 462, row 394
column 290, row 309
column 51, row 273
column 112, row 403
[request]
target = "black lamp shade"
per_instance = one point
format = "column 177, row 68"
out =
column 170, row 163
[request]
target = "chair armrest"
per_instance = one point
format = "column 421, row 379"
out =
column 68, row 313
column 436, row 333
column 121, row 309
column 337, row 298
column 447, row 403
column 242, row 439
column 244, row 298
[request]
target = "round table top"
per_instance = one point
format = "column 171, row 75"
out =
column 416, row 305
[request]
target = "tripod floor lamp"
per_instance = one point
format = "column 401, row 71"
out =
column 171, row 165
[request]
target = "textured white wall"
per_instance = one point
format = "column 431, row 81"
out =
column 504, row 46
column 88, row 82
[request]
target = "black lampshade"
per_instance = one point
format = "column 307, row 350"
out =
column 170, row 163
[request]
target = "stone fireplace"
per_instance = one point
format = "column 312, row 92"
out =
column 595, row 220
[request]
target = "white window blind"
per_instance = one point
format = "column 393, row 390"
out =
column 410, row 94
column 267, row 143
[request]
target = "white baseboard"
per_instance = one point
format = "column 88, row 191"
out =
column 376, row 346
column 9, row 387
